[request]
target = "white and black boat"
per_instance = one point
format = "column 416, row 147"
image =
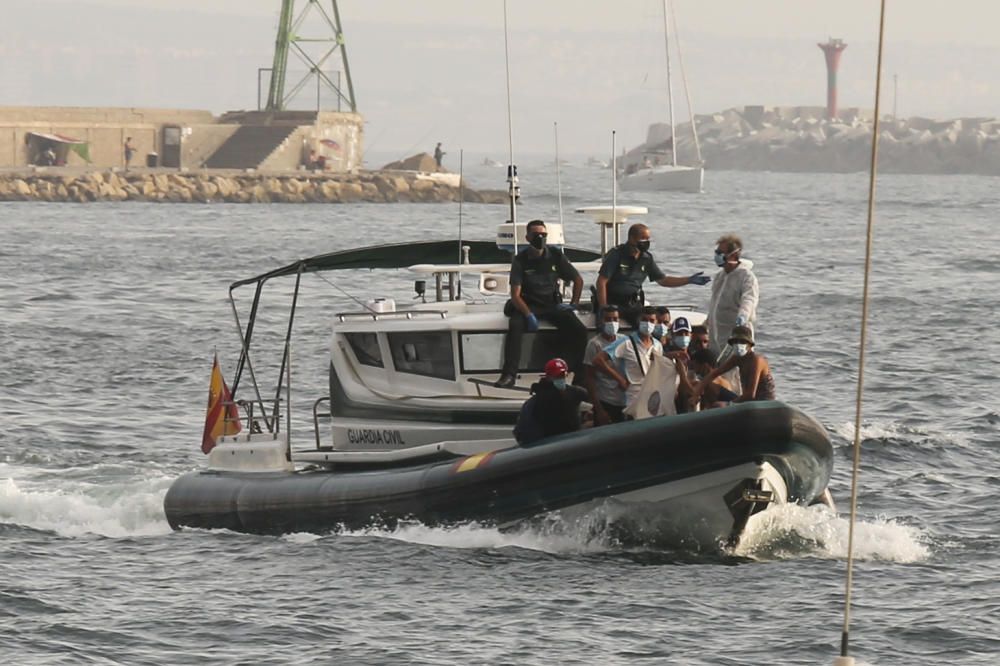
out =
column 419, row 432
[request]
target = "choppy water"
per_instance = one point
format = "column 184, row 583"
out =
column 109, row 317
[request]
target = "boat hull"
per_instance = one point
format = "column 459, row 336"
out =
column 692, row 468
column 665, row 179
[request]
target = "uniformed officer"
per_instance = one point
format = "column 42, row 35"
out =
column 626, row 268
column 534, row 295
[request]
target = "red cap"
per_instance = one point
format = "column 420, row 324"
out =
column 556, row 368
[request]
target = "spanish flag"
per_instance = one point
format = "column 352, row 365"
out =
column 220, row 419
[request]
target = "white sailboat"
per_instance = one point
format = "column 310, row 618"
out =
column 669, row 177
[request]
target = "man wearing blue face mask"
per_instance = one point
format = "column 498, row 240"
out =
column 628, row 359
column 607, row 397
column 734, row 293
column 553, row 408
column 627, row 267
column 680, row 339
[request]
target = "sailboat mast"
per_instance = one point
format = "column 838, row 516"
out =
column 687, row 91
column 670, row 90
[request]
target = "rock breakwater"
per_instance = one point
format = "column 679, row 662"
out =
column 757, row 138
column 206, row 186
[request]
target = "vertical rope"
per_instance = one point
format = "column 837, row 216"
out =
column 864, row 336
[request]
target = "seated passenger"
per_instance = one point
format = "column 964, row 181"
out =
column 534, row 295
column 699, row 339
column 628, row 359
column 662, row 330
column 680, row 338
column 756, row 380
column 605, row 394
column 553, row 408
column 718, row 392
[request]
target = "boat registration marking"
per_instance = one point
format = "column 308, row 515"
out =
column 473, row 462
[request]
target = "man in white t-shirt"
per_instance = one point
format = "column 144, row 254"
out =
column 605, row 394
column 628, row 359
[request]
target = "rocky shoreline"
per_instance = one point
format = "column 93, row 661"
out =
column 207, row 186
column 799, row 139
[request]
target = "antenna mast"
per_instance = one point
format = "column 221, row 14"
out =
column 314, row 52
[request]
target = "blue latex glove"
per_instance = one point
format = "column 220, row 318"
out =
column 565, row 306
column 532, row 322
column 699, row 278
column 741, row 320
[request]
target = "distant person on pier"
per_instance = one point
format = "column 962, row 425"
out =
column 534, row 295
column 48, row 157
column 627, row 267
column 756, row 380
column 439, row 154
column 129, row 151
column 553, row 408
column 734, row 292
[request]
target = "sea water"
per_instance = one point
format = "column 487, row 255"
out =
column 111, row 314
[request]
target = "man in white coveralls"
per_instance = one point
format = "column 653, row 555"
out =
column 734, row 293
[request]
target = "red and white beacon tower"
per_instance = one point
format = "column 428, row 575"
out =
column 832, row 50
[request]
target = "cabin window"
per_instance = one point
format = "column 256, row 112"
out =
column 365, row 346
column 483, row 352
column 427, row 354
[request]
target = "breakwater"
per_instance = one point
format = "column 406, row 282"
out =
column 798, row 139
column 206, row 186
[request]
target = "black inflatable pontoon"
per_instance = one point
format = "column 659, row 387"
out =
column 512, row 484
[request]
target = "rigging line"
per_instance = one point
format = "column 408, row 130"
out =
column 684, row 81
column 555, row 127
column 511, row 169
column 670, row 91
column 844, row 659
column 339, row 288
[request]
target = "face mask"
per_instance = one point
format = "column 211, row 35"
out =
column 610, row 328
column 646, row 327
column 537, row 241
column 720, row 259
column 643, row 246
column 659, row 330
column 560, row 383
column 682, row 341
column 741, row 349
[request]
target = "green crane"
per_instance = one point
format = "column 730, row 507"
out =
column 314, row 52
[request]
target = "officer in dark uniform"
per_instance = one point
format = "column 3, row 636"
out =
column 534, row 296
column 627, row 267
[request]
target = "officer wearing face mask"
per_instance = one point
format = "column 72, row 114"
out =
column 534, row 295
column 627, row 267
column 734, row 293
column 607, row 397
column 553, row 408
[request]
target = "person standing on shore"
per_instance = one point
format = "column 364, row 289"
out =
column 439, row 154
column 129, row 150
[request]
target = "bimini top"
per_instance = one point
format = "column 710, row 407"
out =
column 404, row 255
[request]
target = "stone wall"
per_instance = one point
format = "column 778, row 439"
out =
column 160, row 185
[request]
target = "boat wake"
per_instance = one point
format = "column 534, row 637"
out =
column 787, row 532
column 119, row 510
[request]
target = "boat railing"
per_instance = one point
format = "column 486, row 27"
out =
column 252, row 416
column 407, row 314
column 317, row 416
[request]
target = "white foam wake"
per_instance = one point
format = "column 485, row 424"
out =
column 114, row 510
column 791, row 530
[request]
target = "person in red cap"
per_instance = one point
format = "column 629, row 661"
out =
column 553, row 408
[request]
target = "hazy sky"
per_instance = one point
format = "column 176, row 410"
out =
column 434, row 70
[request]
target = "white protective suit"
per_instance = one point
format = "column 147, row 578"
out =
column 733, row 294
